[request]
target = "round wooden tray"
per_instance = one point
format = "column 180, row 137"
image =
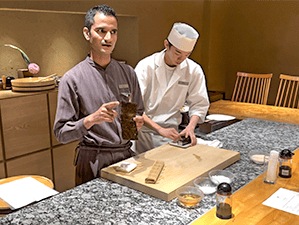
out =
column 33, row 82
column 44, row 180
column 28, row 89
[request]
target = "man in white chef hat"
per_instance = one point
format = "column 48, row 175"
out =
column 169, row 80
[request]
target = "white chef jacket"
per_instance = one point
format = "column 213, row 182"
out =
column 163, row 102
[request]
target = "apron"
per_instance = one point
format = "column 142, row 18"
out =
column 90, row 160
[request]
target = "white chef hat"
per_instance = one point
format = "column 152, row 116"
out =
column 183, row 36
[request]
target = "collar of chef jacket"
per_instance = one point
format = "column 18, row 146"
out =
column 160, row 69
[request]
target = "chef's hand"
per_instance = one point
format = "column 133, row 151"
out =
column 170, row 133
column 139, row 121
column 189, row 132
column 105, row 113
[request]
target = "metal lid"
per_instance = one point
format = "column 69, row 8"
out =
column 286, row 154
column 224, row 189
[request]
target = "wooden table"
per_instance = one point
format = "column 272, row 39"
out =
column 247, row 202
column 242, row 110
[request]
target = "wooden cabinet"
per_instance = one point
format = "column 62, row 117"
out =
column 25, row 124
column 28, row 142
column 52, row 109
column 38, row 163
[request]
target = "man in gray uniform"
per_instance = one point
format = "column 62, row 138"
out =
column 89, row 99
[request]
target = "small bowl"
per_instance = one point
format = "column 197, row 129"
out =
column 205, row 185
column 258, row 157
column 219, row 176
column 189, row 196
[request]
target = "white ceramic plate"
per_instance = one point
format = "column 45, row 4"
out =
column 220, row 117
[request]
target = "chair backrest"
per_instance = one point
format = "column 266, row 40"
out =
column 252, row 88
column 287, row 95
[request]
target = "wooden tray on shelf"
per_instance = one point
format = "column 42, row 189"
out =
column 33, row 84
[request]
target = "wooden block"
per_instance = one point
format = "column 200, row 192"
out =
column 154, row 172
column 182, row 166
column 208, row 127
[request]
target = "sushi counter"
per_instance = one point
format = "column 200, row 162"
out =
column 102, row 201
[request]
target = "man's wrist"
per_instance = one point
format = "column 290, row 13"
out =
column 88, row 122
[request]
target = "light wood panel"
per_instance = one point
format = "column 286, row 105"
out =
column 182, row 166
column 247, row 204
column 248, row 110
column 64, row 170
column 52, row 109
column 2, row 172
column 1, row 149
column 34, row 164
column 25, row 124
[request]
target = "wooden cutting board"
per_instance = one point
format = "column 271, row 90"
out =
column 182, row 166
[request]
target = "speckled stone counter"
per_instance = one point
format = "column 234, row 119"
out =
column 104, row 202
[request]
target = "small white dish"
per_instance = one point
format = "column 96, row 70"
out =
column 220, row 117
column 219, row 176
column 205, row 185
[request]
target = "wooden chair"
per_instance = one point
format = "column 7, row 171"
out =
column 252, row 88
column 287, row 95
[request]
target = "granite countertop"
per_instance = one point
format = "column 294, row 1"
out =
column 104, row 202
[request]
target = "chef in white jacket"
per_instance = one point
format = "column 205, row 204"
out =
column 168, row 80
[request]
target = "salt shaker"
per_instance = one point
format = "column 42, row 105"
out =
column 224, row 201
column 270, row 175
column 285, row 163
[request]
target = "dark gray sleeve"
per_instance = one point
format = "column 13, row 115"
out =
column 136, row 93
column 68, row 126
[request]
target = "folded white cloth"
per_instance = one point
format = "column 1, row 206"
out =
column 214, row 143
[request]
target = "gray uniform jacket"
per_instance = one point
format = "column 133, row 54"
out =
column 82, row 91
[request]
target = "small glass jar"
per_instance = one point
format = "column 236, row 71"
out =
column 285, row 163
column 271, row 172
column 224, row 201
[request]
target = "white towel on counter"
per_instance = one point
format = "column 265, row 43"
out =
column 214, row 143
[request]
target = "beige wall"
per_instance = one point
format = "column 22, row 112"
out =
column 251, row 36
column 54, row 40
column 155, row 17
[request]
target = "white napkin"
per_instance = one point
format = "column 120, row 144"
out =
column 214, row 143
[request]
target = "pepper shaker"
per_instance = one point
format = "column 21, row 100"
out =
column 285, row 163
column 224, row 201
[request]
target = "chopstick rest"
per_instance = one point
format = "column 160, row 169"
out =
column 154, row 172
